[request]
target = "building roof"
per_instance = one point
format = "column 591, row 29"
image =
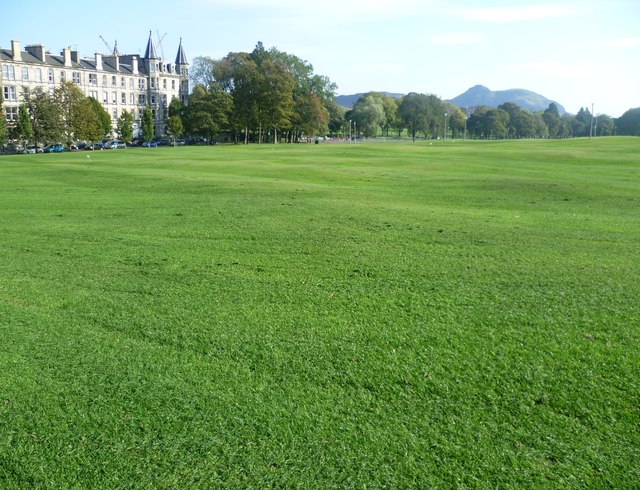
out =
column 150, row 53
column 181, row 58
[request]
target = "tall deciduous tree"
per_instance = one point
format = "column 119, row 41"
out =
column 23, row 130
column 45, row 114
column 3, row 124
column 174, row 128
column 125, row 126
column 207, row 111
column 92, row 129
column 629, row 123
column 368, row 115
column 148, row 129
column 420, row 113
column 103, row 117
column 68, row 97
column 551, row 117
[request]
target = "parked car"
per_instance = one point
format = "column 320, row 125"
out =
column 12, row 149
column 150, row 144
column 56, row 148
column 32, row 149
column 115, row 145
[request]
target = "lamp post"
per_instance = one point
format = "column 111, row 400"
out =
column 350, row 134
column 355, row 131
column 445, row 126
column 465, row 127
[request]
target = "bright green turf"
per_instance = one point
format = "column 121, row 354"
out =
column 462, row 314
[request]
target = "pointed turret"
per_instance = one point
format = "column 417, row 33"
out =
column 150, row 53
column 181, row 58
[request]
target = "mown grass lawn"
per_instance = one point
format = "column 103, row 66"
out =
column 461, row 314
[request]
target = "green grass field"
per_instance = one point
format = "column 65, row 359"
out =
column 462, row 314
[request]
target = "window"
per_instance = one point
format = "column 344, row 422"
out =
column 25, row 74
column 132, row 99
column 114, row 97
column 115, row 114
column 164, row 84
column 94, row 94
column 153, row 99
column 105, row 97
column 142, row 99
column 76, row 77
column 51, row 78
column 93, row 79
column 173, row 84
column 10, row 93
column 114, row 82
column 104, row 80
column 123, row 83
column 131, row 82
column 38, row 75
column 153, row 83
column 141, row 84
column 62, row 76
column 11, row 113
column 8, row 72
column 123, row 98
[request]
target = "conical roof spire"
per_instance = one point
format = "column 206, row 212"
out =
column 150, row 53
column 181, row 58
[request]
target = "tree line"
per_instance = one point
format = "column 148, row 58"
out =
column 67, row 115
column 271, row 96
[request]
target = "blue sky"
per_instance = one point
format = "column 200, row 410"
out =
column 575, row 52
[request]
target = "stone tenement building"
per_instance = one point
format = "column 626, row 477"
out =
column 119, row 82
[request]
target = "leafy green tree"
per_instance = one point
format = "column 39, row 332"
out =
column 46, row 116
column 421, row 113
column 3, row 124
column 124, row 127
column 207, row 111
column 174, row 128
column 603, row 125
column 581, row 125
column 629, row 123
column 68, row 97
column 455, row 120
column 336, row 115
column 368, row 115
column 496, row 123
column 237, row 74
column 148, row 130
column 23, row 130
column 201, row 71
column 92, row 129
column 103, row 117
column 309, row 116
column 552, row 119
column 274, row 102
column 176, row 107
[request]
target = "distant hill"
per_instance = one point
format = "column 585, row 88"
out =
column 349, row 101
column 525, row 99
column 477, row 96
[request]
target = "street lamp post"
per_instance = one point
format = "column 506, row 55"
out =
column 445, row 126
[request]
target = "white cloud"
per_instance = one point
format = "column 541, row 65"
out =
column 455, row 38
column 627, row 42
column 513, row 14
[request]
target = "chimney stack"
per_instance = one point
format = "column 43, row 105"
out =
column 66, row 52
column 37, row 50
column 15, row 51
